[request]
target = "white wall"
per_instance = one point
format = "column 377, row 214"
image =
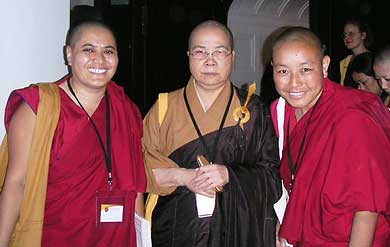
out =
column 33, row 34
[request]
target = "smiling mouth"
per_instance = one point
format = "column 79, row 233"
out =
column 97, row 71
column 296, row 94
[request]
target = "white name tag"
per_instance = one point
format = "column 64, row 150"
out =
column 205, row 205
column 111, row 213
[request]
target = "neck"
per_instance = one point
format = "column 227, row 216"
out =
column 89, row 98
column 300, row 112
column 208, row 95
column 359, row 50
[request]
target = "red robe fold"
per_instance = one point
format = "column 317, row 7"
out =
column 345, row 168
column 77, row 169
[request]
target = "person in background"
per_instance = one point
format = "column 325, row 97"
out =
column 382, row 71
column 75, row 173
column 363, row 74
column 358, row 38
column 335, row 163
column 242, row 150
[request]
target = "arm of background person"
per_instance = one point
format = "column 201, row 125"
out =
column 363, row 229
column 20, row 134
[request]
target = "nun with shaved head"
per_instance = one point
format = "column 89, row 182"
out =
column 334, row 166
column 71, row 171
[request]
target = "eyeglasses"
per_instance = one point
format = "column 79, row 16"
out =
column 201, row 54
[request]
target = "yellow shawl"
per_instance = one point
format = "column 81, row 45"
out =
column 344, row 67
column 28, row 230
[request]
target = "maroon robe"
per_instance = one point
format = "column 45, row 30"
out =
column 78, row 169
column 345, row 168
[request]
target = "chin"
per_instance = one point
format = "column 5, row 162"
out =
column 212, row 81
column 297, row 103
column 99, row 83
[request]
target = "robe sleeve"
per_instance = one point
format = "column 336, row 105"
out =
column 29, row 95
column 138, row 169
column 261, row 160
column 361, row 164
column 153, row 156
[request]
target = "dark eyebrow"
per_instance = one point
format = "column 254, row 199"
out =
column 85, row 45
column 89, row 45
column 282, row 65
column 110, row 47
column 198, row 46
column 204, row 47
column 222, row 46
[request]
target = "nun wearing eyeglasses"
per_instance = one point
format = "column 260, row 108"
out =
column 211, row 155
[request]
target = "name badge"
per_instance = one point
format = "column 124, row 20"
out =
column 111, row 208
column 111, row 213
column 205, row 205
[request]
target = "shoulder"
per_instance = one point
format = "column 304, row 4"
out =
column 349, row 98
column 119, row 98
column 174, row 98
column 256, row 102
column 176, row 95
column 346, row 60
column 28, row 95
column 338, row 99
column 353, row 110
column 117, row 92
column 260, row 117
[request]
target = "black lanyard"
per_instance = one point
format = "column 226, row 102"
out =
column 294, row 167
column 210, row 154
column 107, row 154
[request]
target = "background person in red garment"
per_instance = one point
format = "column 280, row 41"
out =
column 382, row 71
column 95, row 170
column 335, row 162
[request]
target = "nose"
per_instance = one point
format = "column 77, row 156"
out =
column 295, row 80
column 210, row 60
column 99, row 57
column 385, row 84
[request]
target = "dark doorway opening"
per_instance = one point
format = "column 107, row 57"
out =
column 152, row 41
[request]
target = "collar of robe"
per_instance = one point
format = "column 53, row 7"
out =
column 294, row 166
column 107, row 153
column 209, row 153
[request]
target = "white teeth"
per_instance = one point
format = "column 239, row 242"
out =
column 97, row 71
column 298, row 94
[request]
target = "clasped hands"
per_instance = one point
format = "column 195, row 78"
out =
column 202, row 180
column 205, row 179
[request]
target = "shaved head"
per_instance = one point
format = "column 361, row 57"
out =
column 75, row 32
column 299, row 34
column 383, row 55
column 212, row 24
